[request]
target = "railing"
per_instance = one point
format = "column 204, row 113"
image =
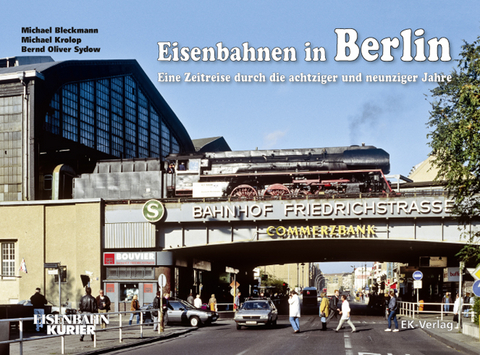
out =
column 121, row 327
column 414, row 309
column 429, row 192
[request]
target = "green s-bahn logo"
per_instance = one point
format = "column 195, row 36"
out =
column 153, row 211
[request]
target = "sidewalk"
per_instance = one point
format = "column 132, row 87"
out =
column 106, row 341
column 438, row 329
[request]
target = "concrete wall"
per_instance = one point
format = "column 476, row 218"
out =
column 66, row 232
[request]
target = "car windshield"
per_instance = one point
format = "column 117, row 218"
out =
column 182, row 304
column 255, row 305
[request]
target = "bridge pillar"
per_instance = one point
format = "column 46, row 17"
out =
column 165, row 267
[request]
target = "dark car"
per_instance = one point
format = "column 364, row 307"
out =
column 180, row 311
column 255, row 312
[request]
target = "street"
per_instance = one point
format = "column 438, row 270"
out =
column 370, row 338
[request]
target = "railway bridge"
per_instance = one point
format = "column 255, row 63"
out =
column 272, row 231
column 211, row 234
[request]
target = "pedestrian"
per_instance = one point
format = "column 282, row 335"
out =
column 446, row 302
column 38, row 301
column 466, row 302
column 212, row 303
column 457, row 308
column 324, row 310
column 392, row 309
column 294, row 311
column 236, row 305
column 103, row 305
column 190, row 299
column 334, row 305
column 156, row 306
column 345, row 312
column 134, row 306
column 166, row 306
column 88, row 304
column 198, row 302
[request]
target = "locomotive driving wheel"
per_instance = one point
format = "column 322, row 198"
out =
column 244, row 190
column 277, row 190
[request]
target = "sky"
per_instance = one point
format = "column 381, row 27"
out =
column 275, row 115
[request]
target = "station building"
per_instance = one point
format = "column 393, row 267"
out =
column 57, row 120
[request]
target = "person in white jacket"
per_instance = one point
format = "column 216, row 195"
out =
column 294, row 311
column 345, row 312
column 197, row 302
column 457, row 309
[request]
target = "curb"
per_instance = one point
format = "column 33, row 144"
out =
column 138, row 343
column 453, row 344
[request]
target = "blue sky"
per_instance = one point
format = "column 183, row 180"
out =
column 271, row 115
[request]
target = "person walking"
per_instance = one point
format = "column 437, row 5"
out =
column 88, row 304
column 237, row 301
column 103, row 305
column 190, row 299
column 392, row 309
column 324, row 310
column 134, row 306
column 198, row 302
column 156, row 306
column 334, row 306
column 457, row 308
column 294, row 311
column 38, row 301
column 345, row 312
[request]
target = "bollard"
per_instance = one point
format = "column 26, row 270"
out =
column 5, row 335
column 120, row 328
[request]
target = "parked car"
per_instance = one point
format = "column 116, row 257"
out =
column 256, row 312
column 180, row 311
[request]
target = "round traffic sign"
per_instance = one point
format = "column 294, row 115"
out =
column 417, row 275
column 153, row 211
column 476, row 288
column 162, row 280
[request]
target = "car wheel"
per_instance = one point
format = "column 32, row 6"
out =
column 194, row 321
column 239, row 327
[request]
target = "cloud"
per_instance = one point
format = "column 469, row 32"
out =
column 271, row 139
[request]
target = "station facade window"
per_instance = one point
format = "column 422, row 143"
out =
column 130, row 273
column 8, row 259
column 112, row 115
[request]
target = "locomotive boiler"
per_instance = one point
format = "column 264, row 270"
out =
column 279, row 172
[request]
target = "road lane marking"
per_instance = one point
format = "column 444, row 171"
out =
column 348, row 344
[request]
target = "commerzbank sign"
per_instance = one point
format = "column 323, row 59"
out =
column 322, row 209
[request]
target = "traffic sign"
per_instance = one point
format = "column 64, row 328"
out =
column 476, row 288
column 153, row 211
column 476, row 273
column 162, row 280
column 417, row 284
column 417, row 275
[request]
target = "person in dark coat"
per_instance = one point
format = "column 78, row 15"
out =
column 103, row 305
column 156, row 306
column 334, row 305
column 38, row 301
column 88, row 304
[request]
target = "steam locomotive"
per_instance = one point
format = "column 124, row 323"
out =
column 292, row 172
